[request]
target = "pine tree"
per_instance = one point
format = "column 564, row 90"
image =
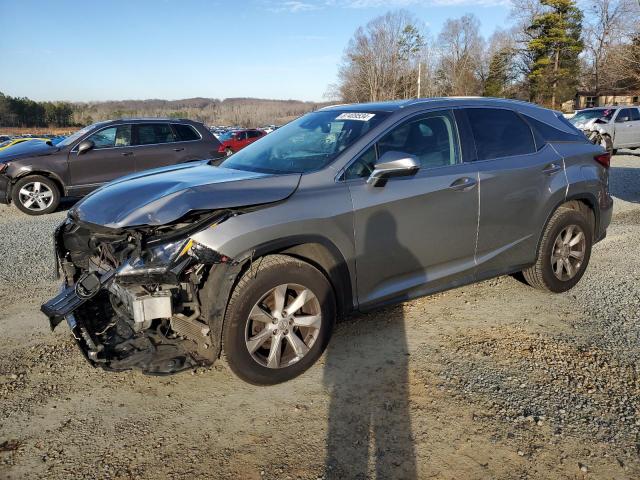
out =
column 555, row 45
column 499, row 75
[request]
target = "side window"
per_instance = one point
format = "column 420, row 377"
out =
column 433, row 139
column 363, row 166
column 548, row 133
column 499, row 133
column 152, row 133
column 624, row 115
column 119, row 136
column 635, row 114
column 185, row 132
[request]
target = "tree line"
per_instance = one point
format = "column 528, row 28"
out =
column 244, row 112
column 23, row 112
column 552, row 49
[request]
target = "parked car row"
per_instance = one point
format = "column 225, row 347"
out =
column 35, row 175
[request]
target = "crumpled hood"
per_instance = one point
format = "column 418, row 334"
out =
column 30, row 148
column 161, row 196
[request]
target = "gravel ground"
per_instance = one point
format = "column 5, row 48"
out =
column 494, row 380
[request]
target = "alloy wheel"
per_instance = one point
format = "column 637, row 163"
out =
column 568, row 252
column 283, row 326
column 36, row 196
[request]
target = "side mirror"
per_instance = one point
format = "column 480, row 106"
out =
column 393, row 164
column 85, row 146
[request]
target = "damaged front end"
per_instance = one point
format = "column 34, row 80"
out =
column 132, row 297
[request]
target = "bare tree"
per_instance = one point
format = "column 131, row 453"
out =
column 461, row 51
column 381, row 59
column 609, row 24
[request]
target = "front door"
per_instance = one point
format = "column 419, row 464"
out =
column 415, row 234
column 110, row 158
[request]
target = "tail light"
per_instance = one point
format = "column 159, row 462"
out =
column 603, row 159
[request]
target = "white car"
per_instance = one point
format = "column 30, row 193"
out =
column 612, row 127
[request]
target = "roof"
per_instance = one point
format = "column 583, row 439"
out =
column 394, row 105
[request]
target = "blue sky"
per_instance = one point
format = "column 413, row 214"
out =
column 125, row 49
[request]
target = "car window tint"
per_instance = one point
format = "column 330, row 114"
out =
column 548, row 133
column 363, row 166
column 432, row 139
column 152, row 133
column 499, row 133
column 635, row 114
column 623, row 115
column 254, row 134
column 118, row 136
column 186, row 132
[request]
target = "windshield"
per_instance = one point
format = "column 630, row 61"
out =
column 586, row 115
column 309, row 143
column 75, row 136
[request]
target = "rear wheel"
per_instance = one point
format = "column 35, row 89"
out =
column 564, row 252
column 35, row 195
column 279, row 320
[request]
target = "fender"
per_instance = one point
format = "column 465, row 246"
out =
column 216, row 292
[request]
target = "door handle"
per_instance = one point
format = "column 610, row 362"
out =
column 126, row 154
column 178, row 149
column 463, row 184
column 552, row 168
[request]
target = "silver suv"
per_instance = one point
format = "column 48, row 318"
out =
column 348, row 208
column 610, row 127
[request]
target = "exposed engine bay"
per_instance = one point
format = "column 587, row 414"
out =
column 132, row 297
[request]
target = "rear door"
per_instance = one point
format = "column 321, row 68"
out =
column 415, row 234
column 111, row 157
column 155, row 145
column 519, row 180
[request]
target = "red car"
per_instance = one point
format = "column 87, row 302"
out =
column 231, row 142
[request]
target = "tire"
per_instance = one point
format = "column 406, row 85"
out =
column 541, row 274
column 606, row 142
column 228, row 152
column 269, row 364
column 35, row 195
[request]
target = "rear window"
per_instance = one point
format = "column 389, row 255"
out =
column 185, row 132
column 548, row 133
column 154, row 133
column 499, row 133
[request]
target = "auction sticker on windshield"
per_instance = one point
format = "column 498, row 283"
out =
column 363, row 117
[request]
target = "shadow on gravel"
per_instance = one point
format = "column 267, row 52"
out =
column 369, row 417
column 624, row 183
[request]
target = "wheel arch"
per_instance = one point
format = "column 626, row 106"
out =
column 579, row 201
column 43, row 173
column 320, row 252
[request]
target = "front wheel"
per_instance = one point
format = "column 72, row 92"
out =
column 35, row 195
column 564, row 252
column 279, row 320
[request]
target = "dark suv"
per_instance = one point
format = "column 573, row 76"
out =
column 35, row 176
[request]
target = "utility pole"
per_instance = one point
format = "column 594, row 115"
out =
column 420, row 74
